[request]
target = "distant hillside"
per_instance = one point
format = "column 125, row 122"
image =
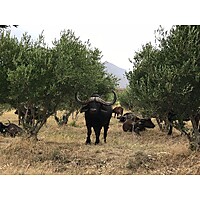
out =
column 118, row 72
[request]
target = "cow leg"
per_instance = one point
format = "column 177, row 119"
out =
column 19, row 119
column 170, row 130
column 159, row 123
column 136, row 129
column 12, row 134
column 105, row 132
column 89, row 131
column 97, row 131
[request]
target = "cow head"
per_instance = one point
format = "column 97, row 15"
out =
column 2, row 127
column 146, row 123
column 95, row 104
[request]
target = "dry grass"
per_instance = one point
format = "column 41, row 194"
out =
column 61, row 150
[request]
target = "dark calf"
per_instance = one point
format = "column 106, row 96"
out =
column 118, row 111
column 126, row 116
column 13, row 129
column 137, row 125
column 30, row 116
column 174, row 121
column 141, row 124
column 10, row 129
column 128, row 124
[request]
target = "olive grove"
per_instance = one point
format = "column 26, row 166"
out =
column 36, row 76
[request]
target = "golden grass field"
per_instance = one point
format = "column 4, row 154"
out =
column 62, row 150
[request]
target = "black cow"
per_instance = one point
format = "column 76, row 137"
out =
column 142, row 124
column 2, row 128
column 24, row 115
column 97, row 115
column 128, row 124
column 180, row 124
column 118, row 111
column 126, row 116
column 137, row 125
column 11, row 129
column 28, row 116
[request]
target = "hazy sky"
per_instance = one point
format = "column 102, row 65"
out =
column 118, row 42
column 118, row 28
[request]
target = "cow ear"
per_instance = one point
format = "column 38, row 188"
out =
column 84, row 109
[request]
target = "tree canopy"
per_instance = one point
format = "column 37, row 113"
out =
column 166, row 77
column 35, row 75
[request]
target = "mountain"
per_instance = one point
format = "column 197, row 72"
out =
column 118, row 72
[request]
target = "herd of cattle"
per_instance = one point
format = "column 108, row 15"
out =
column 97, row 116
column 132, row 123
column 99, row 112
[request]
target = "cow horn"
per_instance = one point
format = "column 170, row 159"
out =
column 80, row 101
column 98, row 99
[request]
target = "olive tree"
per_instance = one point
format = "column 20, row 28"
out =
column 148, row 89
column 8, row 51
column 182, row 51
column 166, row 77
column 46, row 79
column 84, row 72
